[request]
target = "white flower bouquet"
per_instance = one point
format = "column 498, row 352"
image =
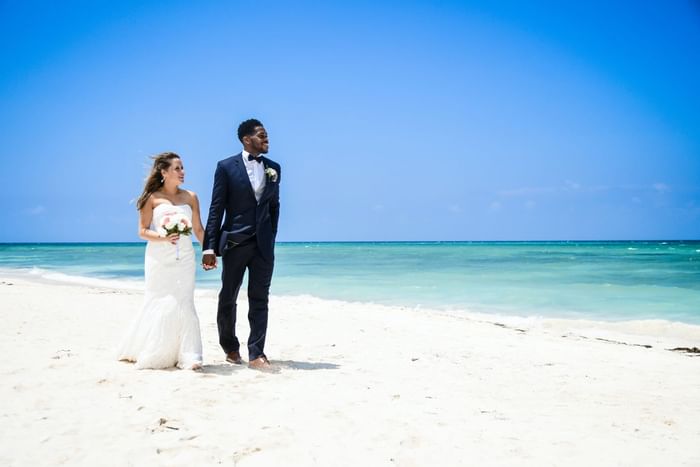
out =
column 174, row 222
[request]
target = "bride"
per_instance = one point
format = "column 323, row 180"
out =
column 166, row 331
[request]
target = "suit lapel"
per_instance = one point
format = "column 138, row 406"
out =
column 268, row 183
column 242, row 175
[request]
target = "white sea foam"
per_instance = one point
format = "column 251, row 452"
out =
column 654, row 332
column 45, row 275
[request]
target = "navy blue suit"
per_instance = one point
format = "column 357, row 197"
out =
column 242, row 231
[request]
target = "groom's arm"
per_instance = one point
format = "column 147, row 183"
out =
column 216, row 209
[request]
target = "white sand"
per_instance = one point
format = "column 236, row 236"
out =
column 359, row 385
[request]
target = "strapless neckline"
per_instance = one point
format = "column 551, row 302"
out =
column 173, row 206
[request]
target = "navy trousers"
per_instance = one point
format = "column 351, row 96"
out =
column 236, row 261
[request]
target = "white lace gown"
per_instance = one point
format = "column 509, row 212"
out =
column 166, row 331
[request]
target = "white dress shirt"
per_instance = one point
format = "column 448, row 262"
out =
column 256, row 175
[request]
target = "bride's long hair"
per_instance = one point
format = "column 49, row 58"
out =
column 155, row 179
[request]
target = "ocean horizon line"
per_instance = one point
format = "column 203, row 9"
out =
column 297, row 242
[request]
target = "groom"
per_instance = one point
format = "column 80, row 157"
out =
column 241, row 228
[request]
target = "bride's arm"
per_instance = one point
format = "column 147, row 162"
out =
column 145, row 217
column 196, row 221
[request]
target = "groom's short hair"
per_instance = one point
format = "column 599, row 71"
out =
column 247, row 128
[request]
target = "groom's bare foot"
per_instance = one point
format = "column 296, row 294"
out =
column 196, row 367
column 234, row 357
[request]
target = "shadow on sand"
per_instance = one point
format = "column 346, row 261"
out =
column 226, row 369
column 294, row 365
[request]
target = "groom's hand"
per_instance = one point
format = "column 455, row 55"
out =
column 208, row 262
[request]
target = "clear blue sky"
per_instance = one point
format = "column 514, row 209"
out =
column 406, row 120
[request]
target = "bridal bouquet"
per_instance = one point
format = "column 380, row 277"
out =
column 176, row 223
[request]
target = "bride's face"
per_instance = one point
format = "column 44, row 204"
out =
column 175, row 174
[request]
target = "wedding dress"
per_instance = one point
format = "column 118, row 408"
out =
column 166, row 331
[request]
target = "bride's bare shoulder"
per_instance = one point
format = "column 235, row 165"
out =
column 155, row 199
column 191, row 195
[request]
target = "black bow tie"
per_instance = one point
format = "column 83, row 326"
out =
column 253, row 158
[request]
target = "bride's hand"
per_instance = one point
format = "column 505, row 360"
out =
column 172, row 238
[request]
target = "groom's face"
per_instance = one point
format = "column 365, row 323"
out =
column 257, row 143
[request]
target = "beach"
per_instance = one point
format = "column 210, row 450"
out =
column 357, row 384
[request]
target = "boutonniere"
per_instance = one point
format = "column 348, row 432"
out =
column 271, row 174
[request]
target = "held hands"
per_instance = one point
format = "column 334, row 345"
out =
column 208, row 262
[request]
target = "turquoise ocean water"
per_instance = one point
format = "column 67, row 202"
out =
column 591, row 280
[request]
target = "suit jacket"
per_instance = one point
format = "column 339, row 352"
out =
column 233, row 202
